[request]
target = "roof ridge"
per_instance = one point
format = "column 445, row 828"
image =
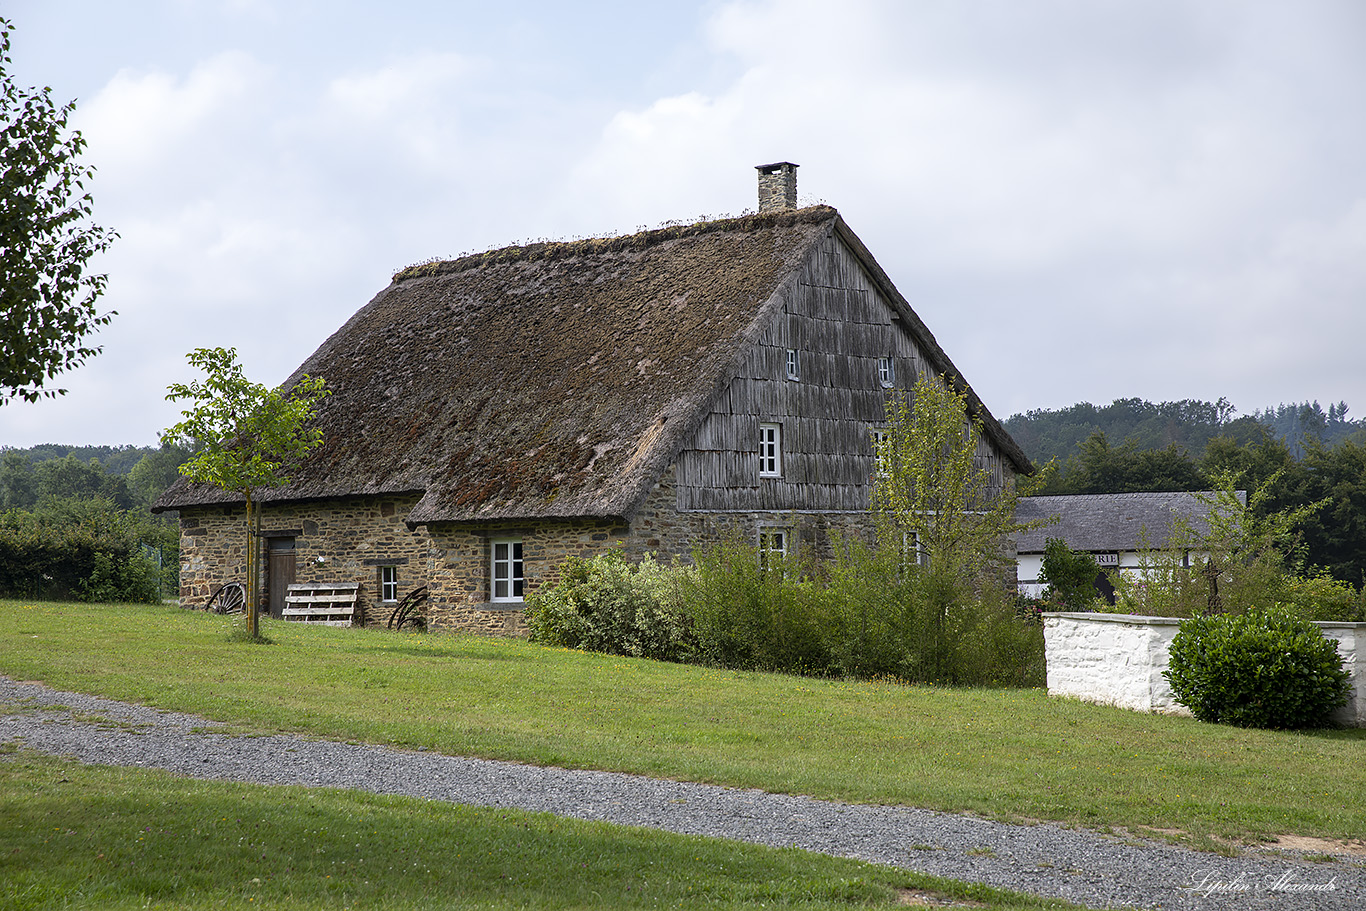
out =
column 546, row 250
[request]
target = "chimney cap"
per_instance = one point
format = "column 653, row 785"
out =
column 776, row 166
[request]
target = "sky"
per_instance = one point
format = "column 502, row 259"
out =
column 1085, row 200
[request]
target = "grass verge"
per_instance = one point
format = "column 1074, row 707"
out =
column 1008, row 754
column 74, row 836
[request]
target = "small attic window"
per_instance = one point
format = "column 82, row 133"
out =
column 794, row 368
column 886, row 371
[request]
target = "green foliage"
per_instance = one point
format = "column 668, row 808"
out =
column 932, row 495
column 1263, row 668
column 753, row 614
column 861, row 615
column 605, row 604
column 1322, row 597
column 47, row 300
column 1241, row 561
column 1098, row 467
column 883, row 618
column 1070, row 577
column 1185, row 425
column 245, row 436
column 83, row 549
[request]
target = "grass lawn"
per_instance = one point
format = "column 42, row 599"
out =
column 1008, row 754
column 75, row 836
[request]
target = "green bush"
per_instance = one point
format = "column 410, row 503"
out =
column 753, row 614
column 1262, row 669
column 607, row 605
column 1324, row 598
column 1070, row 576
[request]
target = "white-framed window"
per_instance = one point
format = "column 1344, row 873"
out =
column 886, row 371
column 912, row 551
column 773, row 545
column 794, row 365
column 770, row 450
column 507, row 578
column 388, row 583
column 879, row 438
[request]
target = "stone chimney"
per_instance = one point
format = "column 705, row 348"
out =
column 777, row 186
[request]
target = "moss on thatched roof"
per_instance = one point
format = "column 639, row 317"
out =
column 546, row 380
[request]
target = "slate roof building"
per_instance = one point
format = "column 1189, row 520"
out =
column 1114, row 527
column 493, row 414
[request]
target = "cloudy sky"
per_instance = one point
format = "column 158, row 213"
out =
column 1084, row 199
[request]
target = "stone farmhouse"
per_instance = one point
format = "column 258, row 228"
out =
column 494, row 414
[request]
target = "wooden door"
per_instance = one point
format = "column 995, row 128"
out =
column 279, row 572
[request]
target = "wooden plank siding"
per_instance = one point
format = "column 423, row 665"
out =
column 840, row 325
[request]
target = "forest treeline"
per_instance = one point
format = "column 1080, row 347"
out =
column 1303, row 453
column 75, row 524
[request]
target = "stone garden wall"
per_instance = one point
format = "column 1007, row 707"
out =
column 1118, row 659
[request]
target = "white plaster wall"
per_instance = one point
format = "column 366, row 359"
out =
column 1351, row 640
column 1112, row 659
column 1118, row 659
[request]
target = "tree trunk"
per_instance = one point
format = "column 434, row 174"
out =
column 253, row 560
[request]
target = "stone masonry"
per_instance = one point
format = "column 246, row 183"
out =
column 348, row 540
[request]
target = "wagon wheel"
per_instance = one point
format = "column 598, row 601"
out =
column 404, row 613
column 230, row 598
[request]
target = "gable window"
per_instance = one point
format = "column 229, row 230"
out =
column 794, row 368
column 507, row 569
column 388, row 583
column 886, row 372
column 773, row 546
column 770, row 450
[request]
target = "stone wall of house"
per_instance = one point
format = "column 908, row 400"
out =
column 348, row 540
column 335, row 541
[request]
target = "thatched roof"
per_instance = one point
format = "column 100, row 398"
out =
column 550, row 380
column 1112, row 522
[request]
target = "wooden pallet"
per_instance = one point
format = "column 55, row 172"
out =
column 331, row 603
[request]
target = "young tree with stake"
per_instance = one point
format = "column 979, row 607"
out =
column 246, row 437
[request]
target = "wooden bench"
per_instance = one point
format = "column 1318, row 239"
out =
column 329, row 603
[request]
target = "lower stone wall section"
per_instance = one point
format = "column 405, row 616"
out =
column 349, row 540
column 1118, row 659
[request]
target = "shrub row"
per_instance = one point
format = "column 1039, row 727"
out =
column 94, row 561
column 863, row 614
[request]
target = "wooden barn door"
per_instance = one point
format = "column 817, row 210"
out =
column 279, row 572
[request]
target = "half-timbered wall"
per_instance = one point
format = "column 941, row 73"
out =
column 840, row 326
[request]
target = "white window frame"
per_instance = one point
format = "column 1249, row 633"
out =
column 507, row 570
column 388, row 584
column 775, row 541
column 886, row 371
column 912, row 551
column 794, row 364
column 879, row 440
column 770, row 450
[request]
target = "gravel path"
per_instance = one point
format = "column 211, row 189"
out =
column 1083, row 867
